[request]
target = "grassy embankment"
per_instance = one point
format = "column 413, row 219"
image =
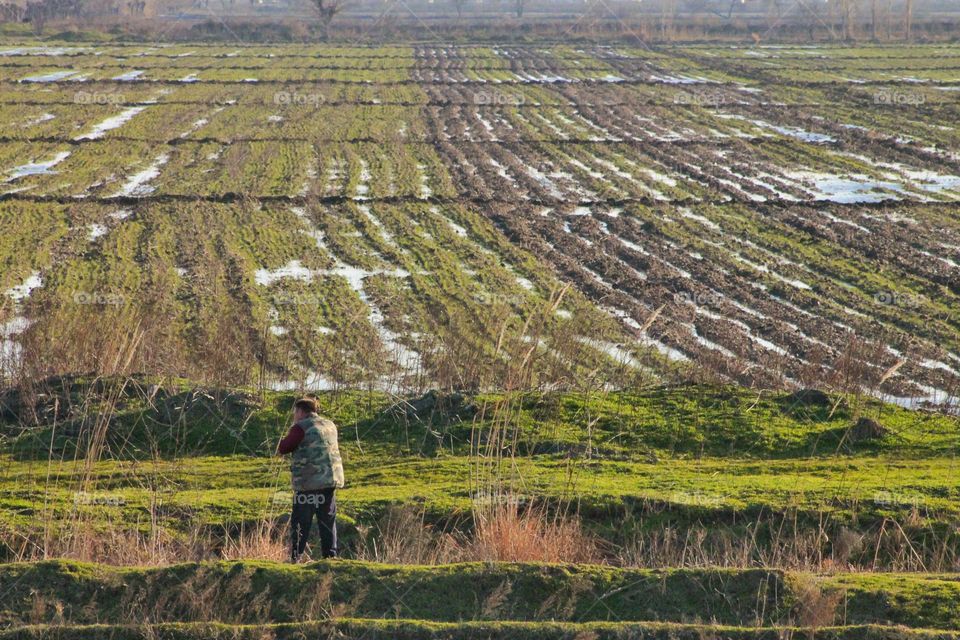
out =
column 747, row 470
column 261, row 599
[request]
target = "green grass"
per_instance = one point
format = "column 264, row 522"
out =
column 689, row 456
column 685, row 422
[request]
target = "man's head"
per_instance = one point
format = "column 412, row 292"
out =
column 303, row 408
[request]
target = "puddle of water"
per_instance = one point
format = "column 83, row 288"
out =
column 425, row 190
column 97, row 231
column 21, row 292
column 38, row 168
column 363, row 187
column 111, row 123
column 136, row 185
column 525, row 283
column 932, row 181
column 42, row 51
column 10, row 349
column 313, row 382
column 855, row 189
column 930, row 396
column 129, row 75
column 45, row 117
column 50, row 77
column 801, row 134
column 293, row 269
column 615, row 351
column 457, row 229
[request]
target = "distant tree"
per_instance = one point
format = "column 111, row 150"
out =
column 11, row 12
column 846, row 8
column 519, row 7
column 326, row 11
column 908, row 20
column 721, row 8
column 815, row 17
column 459, row 4
column 39, row 12
column 668, row 10
column 774, row 13
column 36, row 15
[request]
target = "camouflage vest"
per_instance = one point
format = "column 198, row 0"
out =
column 316, row 463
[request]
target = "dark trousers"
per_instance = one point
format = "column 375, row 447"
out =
column 306, row 504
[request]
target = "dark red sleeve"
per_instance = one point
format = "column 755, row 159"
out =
column 292, row 441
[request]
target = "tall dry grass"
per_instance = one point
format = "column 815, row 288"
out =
column 403, row 535
column 780, row 542
column 509, row 532
column 506, row 532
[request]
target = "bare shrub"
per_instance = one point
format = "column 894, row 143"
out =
column 509, row 532
column 505, row 532
column 846, row 545
column 815, row 608
column 403, row 536
column 122, row 545
column 785, row 544
column 264, row 540
column 113, row 544
column 764, row 543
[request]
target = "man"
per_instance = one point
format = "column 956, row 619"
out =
column 317, row 472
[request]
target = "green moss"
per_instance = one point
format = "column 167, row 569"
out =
column 253, row 593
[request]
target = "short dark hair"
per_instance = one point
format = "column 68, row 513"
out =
column 307, row 405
